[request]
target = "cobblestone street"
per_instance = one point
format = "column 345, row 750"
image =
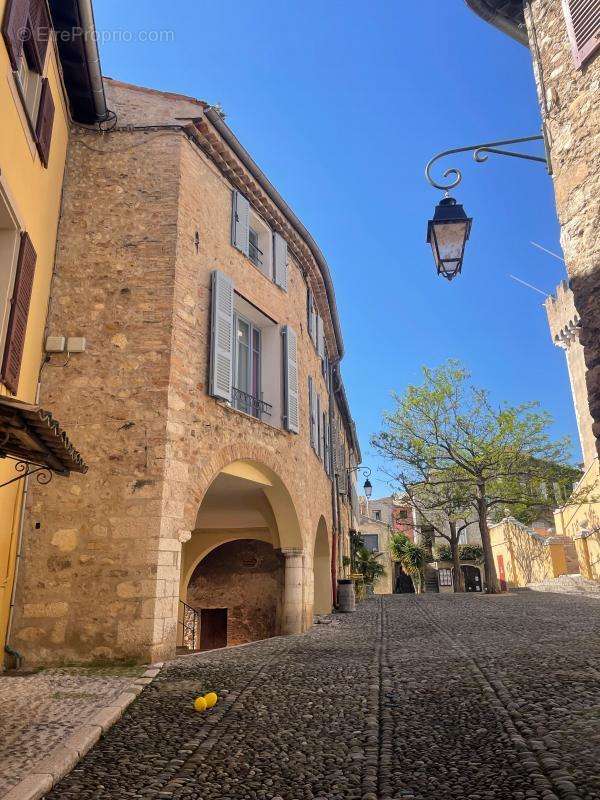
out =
column 427, row 698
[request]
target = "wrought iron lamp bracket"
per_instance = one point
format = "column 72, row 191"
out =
column 27, row 468
column 480, row 156
column 366, row 471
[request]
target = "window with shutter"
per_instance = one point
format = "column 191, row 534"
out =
column 290, row 366
column 310, row 313
column 280, row 254
column 13, row 24
column 240, row 223
column 19, row 311
column 221, row 336
column 320, row 337
column 583, row 26
column 320, row 431
column 39, row 25
column 45, row 123
column 311, row 411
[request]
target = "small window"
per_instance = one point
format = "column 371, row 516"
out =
column 378, row 516
column 9, row 254
column 260, row 244
column 370, row 542
column 29, row 82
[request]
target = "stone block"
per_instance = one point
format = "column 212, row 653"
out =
column 33, row 787
column 58, row 763
column 83, row 739
column 105, row 718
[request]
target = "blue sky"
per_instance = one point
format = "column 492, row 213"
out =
column 342, row 105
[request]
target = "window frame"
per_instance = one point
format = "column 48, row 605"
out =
column 255, row 391
column 12, row 269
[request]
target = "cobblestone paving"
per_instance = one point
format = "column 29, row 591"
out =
column 430, row 698
column 39, row 711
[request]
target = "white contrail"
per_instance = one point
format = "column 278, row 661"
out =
column 535, row 289
column 550, row 253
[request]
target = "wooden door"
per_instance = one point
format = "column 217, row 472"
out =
column 213, row 628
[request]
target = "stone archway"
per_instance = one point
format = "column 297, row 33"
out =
column 246, row 510
column 323, row 594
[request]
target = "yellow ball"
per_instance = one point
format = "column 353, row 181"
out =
column 211, row 699
column 200, row 704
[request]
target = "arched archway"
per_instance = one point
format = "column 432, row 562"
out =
column 323, row 595
column 245, row 556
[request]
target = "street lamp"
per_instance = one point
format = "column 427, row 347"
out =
column 449, row 230
column 368, row 489
column 447, row 233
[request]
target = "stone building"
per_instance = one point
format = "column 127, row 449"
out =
column 564, row 41
column 209, row 400
column 565, row 329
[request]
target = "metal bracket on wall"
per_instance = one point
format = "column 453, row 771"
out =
column 26, row 468
column 480, row 155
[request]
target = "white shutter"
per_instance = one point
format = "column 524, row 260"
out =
column 240, row 223
column 290, row 378
column 320, row 432
column 320, row 337
column 280, row 254
column 221, row 336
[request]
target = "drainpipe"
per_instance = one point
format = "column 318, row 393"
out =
column 92, row 57
column 485, row 10
column 334, row 497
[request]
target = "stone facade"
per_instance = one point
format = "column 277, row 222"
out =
column 146, row 218
column 565, row 330
column 570, row 109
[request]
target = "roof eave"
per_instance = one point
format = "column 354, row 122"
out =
column 509, row 24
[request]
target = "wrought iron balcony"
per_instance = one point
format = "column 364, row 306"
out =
column 251, row 405
column 255, row 253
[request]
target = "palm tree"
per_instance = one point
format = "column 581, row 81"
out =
column 367, row 564
column 410, row 556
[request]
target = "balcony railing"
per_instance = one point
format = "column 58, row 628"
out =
column 256, row 254
column 250, row 404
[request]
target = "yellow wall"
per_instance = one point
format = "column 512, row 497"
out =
column 34, row 194
column 583, row 515
column 527, row 557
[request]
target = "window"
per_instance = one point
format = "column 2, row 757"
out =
column 402, row 513
column 27, row 57
column 17, row 270
column 378, row 516
column 247, row 369
column 253, row 237
column 370, row 542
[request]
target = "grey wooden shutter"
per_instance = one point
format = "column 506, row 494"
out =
column 280, row 255
column 240, row 223
column 319, row 428
column 221, row 337
column 13, row 24
column 583, row 26
column 311, row 411
column 290, row 380
column 310, row 312
column 45, row 123
column 320, row 337
column 19, row 311
column 40, row 33
column 327, row 442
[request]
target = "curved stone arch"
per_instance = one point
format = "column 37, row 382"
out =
column 281, row 496
column 322, row 586
column 218, row 540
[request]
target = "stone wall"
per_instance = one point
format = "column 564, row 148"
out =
column 246, row 578
column 101, row 566
column 565, row 330
column 571, row 112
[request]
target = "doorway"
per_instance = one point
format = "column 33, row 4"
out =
column 472, row 578
column 213, row 628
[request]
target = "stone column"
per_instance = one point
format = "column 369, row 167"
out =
column 292, row 591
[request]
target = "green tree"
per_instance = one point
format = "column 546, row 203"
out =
column 368, row 565
column 410, row 556
column 450, row 431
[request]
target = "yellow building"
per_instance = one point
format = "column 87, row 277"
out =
column 525, row 555
column 42, row 89
column 580, row 520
